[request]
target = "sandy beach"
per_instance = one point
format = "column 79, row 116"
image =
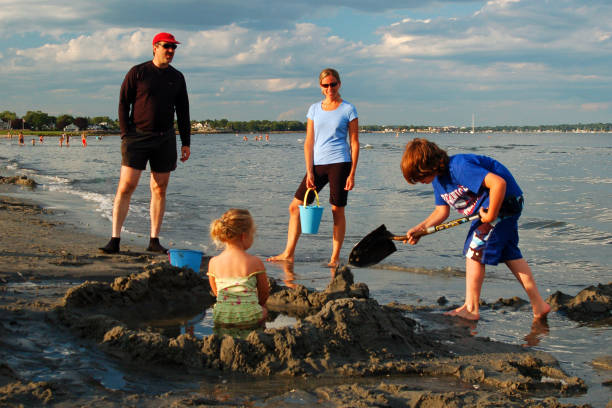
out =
column 345, row 351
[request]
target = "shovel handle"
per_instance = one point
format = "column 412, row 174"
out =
column 440, row 227
column 399, row 237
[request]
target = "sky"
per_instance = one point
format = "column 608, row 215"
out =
column 421, row 62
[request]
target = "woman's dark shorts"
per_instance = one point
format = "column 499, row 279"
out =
column 158, row 148
column 335, row 174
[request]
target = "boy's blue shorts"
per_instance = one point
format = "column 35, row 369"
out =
column 492, row 243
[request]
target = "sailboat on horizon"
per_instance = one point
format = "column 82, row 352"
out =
column 472, row 131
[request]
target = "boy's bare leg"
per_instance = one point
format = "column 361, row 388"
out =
column 474, row 277
column 338, row 235
column 293, row 233
column 523, row 274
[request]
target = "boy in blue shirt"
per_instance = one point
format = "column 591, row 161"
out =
column 474, row 184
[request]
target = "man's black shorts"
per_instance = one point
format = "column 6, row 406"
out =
column 336, row 174
column 158, row 148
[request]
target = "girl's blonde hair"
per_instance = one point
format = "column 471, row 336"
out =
column 233, row 223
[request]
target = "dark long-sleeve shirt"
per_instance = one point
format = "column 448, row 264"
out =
column 149, row 97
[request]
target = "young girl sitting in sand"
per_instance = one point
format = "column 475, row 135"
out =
column 237, row 278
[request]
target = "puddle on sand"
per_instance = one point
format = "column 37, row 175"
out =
column 202, row 325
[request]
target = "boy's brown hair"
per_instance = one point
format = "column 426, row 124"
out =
column 423, row 159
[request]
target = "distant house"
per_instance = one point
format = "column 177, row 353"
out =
column 201, row 127
column 5, row 125
column 71, row 128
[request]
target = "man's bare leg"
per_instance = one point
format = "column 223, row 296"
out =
column 159, row 186
column 128, row 180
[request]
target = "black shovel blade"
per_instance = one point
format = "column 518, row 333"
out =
column 373, row 248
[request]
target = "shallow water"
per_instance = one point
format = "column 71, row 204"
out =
column 566, row 228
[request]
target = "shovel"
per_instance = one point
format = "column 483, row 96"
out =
column 378, row 244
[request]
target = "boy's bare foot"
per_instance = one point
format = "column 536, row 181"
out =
column 464, row 313
column 280, row 257
column 541, row 314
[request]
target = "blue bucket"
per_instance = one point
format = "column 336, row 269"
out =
column 186, row 257
column 310, row 215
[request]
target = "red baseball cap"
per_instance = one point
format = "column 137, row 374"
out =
column 165, row 37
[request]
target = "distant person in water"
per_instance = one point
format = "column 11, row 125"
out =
column 237, row 279
column 41, row 139
column 331, row 151
column 474, row 184
column 67, row 139
column 20, row 139
column 84, row 139
column 61, row 139
column 150, row 94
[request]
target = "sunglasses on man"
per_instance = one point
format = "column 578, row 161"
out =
column 168, row 46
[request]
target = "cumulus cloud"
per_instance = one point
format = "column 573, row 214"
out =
column 594, row 107
column 265, row 56
column 109, row 45
column 508, row 28
column 292, row 114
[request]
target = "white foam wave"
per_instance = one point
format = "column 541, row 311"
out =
column 104, row 201
column 53, row 180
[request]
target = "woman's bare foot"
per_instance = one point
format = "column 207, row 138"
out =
column 541, row 313
column 464, row 313
column 333, row 263
column 280, row 257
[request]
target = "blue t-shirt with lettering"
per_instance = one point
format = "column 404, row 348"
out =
column 332, row 144
column 461, row 187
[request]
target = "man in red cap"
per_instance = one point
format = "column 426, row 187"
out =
column 150, row 94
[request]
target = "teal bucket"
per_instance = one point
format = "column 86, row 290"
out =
column 186, row 257
column 310, row 215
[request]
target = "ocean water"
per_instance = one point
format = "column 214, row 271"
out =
column 565, row 229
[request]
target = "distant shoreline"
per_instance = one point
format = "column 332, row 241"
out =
column 57, row 133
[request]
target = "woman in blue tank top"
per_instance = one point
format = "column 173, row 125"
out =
column 331, row 152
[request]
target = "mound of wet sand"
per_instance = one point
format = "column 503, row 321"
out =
column 343, row 333
column 301, row 301
column 593, row 303
column 399, row 395
column 162, row 290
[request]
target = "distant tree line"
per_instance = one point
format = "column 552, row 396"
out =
column 37, row 120
column 256, row 125
column 592, row 127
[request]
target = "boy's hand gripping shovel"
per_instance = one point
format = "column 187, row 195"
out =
column 378, row 244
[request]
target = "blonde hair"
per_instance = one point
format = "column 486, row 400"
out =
column 327, row 72
column 232, row 224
